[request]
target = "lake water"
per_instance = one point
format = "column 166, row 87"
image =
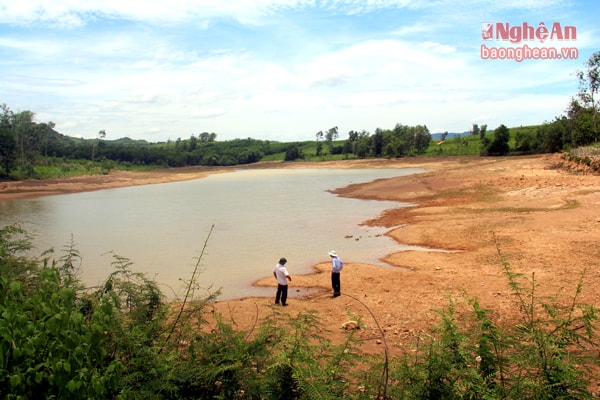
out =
column 258, row 217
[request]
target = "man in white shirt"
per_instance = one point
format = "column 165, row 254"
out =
column 280, row 273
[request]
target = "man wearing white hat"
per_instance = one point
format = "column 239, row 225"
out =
column 336, row 268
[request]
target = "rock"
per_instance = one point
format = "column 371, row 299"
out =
column 350, row 325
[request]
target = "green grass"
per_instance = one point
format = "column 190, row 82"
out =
column 569, row 205
column 455, row 146
column 48, row 168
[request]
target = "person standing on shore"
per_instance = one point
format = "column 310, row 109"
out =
column 336, row 269
column 280, row 273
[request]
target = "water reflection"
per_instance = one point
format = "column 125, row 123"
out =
column 259, row 216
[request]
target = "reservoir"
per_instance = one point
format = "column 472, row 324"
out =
column 258, row 217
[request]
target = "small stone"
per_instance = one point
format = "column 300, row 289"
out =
column 350, row 325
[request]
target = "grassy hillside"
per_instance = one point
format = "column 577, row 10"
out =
column 55, row 167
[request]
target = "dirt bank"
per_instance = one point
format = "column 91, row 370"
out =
column 541, row 218
column 530, row 211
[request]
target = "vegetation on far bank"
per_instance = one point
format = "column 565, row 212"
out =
column 73, row 157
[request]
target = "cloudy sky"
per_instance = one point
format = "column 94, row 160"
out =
column 285, row 69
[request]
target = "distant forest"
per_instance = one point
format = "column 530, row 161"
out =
column 25, row 143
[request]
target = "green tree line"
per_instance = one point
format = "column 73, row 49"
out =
column 23, row 142
column 579, row 127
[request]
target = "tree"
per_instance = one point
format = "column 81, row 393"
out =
column 25, row 134
column 352, row 136
column 330, row 136
column 293, row 153
column 475, row 130
column 193, row 143
column 361, row 149
column 581, row 125
column 208, row 137
column 406, row 139
column 319, row 136
column 319, row 139
column 378, row 142
column 551, row 137
column 359, row 142
column 44, row 130
column 589, row 82
column 422, row 138
column 8, row 151
column 101, row 135
column 498, row 146
column 347, row 147
column 6, row 117
column 8, row 144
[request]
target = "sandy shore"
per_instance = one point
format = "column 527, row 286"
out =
column 539, row 217
column 10, row 190
column 531, row 212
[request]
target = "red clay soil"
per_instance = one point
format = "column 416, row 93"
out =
column 537, row 213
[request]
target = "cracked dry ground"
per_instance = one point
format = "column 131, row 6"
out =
column 538, row 216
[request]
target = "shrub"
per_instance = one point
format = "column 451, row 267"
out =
column 118, row 341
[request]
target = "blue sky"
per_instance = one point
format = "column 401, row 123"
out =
column 282, row 69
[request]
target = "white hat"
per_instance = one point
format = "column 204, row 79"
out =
column 332, row 253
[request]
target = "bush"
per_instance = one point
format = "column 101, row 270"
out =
column 60, row 340
column 47, row 344
column 541, row 356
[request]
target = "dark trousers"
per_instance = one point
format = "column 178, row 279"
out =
column 281, row 294
column 336, row 284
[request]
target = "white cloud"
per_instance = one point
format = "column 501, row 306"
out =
column 147, row 96
column 438, row 47
column 74, row 13
column 127, row 67
column 208, row 112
